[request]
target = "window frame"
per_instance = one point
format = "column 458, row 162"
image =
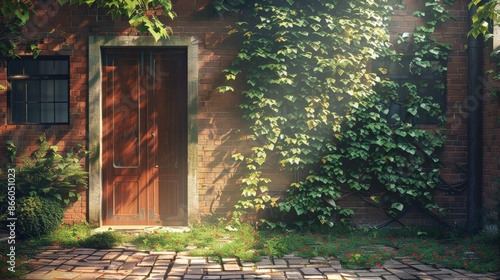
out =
column 402, row 78
column 38, row 76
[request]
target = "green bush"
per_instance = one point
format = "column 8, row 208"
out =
column 103, row 240
column 49, row 173
column 38, row 215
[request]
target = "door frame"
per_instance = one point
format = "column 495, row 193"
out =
column 94, row 143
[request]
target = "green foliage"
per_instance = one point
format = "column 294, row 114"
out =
column 483, row 21
column 486, row 13
column 103, row 240
column 66, row 236
column 47, row 173
column 314, row 104
column 37, row 215
column 144, row 15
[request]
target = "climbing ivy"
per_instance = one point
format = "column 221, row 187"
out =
column 142, row 14
column 314, row 103
column 484, row 21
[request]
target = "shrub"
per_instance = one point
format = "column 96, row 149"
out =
column 38, row 215
column 103, row 240
column 48, row 173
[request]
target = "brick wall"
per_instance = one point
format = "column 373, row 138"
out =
column 64, row 30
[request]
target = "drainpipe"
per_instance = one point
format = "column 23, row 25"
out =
column 474, row 130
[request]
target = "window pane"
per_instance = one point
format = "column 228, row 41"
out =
column 33, row 88
column 46, row 67
column 15, row 67
column 47, row 90
column 18, row 112
column 61, row 91
column 47, row 112
column 30, row 67
column 61, row 112
column 34, row 113
column 61, row 67
column 18, row 91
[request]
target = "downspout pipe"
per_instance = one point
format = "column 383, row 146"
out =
column 474, row 130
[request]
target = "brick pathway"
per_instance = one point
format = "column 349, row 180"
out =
column 129, row 263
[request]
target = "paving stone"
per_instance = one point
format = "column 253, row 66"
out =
column 65, row 268
column 166, row 257
column 88, row 276
column 230, row 277
column 390, row 277
column 162, row 263
column 181, row 260
column 84, row 251
column 368, row 274
column 280, row 262
column 55, row 274
column 257, row 277
column 147, row 261
column 209, row 277
column 192, row 276
column 85, row 269
column 156, row 277
column 265, row 262
column 196, row 270
column 47, row 268
column 229, row 260
column 423, row 267
column 317, row 260
column 141, row 270
column 198, row 261
column 111, row 276
column 327, row 269
column 310, row 271
column 293, row 275
column 178, row 270
column 231, row 267
column 37, row 276
column 402, row 274
column 297, row 261
column 98, row 262
column 121, row 257
column 134, row 277
column 110, row 256
column 314, row 277
column 159, row 269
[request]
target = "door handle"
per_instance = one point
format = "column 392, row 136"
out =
column 153, row 134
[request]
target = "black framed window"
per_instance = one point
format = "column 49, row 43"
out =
column 39, row 90
column 429, row 80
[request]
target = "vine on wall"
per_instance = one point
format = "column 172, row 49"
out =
column 313, row 101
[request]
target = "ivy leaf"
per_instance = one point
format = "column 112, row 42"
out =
column 398, row 206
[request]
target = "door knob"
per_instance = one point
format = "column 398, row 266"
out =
column 153, row 134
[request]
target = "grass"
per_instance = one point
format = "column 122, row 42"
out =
column 353, row 248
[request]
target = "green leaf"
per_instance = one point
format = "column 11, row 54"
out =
column 398, row 206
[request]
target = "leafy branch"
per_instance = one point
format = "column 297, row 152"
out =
column 143, row 15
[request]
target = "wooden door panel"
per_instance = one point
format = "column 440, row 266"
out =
column 125, row 202
column 166, row 189
column 144, row 136
column 125, row 114
column 170, row 144
column 124, row 198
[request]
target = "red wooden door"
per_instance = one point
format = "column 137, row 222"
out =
column 144, row 136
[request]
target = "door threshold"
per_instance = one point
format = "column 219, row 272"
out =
column 140, row 229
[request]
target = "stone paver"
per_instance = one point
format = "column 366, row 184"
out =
column 128, row 263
